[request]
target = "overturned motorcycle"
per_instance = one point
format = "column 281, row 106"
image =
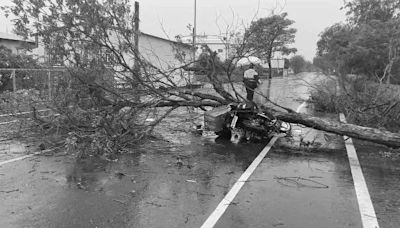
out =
column 243, row 122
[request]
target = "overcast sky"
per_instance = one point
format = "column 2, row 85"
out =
column 171, row 17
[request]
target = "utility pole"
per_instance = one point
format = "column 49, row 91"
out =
column 192, row 76
column 136, row 38
column 194, row 30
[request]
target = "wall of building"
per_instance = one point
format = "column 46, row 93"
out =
column 19, row 47
column 16, row 46
column 162, row 54
column 215, row 42
column 39, row 53
column 159, row 52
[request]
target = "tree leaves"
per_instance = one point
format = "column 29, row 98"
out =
column 269, row 35
column 365, row 45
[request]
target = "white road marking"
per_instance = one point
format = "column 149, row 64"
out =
column 15, row 121
column 301, row 106
column 18, row 159
column 8, row 122
column 367, row 211
column 23, row 113
column 227, row 200
column 26, row 156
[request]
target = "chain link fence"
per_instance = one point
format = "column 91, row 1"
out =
column 42, row 80
column 21, row 88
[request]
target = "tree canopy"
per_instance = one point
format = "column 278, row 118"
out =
column 269, row 35
column 364, row 11
column 297, row 63
column 367, row 44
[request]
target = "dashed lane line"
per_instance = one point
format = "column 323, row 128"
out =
column 367, row 211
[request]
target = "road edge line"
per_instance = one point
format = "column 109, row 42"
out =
column 25, row 156
column 227, row 200
column 365, row 206
column 16, row 159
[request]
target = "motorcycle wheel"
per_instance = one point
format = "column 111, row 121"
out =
column 237, row 135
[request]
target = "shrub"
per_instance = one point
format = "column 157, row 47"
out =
column 366, row 103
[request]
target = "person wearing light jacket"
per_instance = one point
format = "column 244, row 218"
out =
column 250, row 80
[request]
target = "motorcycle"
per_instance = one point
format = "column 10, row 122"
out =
column 244, row 122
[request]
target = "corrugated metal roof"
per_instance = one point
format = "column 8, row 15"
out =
column 9, row 36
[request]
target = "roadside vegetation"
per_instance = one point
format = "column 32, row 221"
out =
column 364, row 103
column 299, row 64
column 362, row 57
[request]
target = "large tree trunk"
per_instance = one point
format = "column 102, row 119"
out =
column 382, row 137
column 270, row 68
column 364, row 133
column 378, row 136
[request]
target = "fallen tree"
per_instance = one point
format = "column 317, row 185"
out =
column 110, row 118
column 383, row 137
column 375, row 135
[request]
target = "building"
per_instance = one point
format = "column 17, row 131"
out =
column 161, row 53
column 16, row 43
column 278, row 65
column 164, row 53
column 168, row 56
column 216, row 43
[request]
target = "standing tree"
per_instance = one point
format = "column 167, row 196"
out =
column 270, row 35
column 368, row 44
column 297, row 63
column 365, row 11
column 323, row 64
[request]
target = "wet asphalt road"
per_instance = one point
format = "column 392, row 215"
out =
column 144, row 189
column 317, row 192
column 151, row 187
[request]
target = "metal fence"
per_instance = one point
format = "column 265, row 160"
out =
column 21, row 89
column 43, row 80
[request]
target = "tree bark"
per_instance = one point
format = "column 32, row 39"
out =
column 270, row 67
column 383, row 137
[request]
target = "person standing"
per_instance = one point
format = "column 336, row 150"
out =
column 250, row 80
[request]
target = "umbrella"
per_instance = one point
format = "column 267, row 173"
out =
column 248, row 60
